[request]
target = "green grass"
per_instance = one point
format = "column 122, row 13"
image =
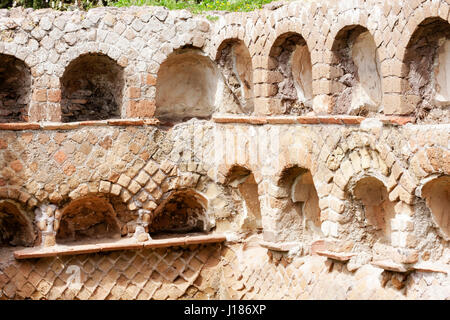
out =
column 193, row 6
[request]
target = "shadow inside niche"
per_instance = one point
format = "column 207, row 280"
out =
column 92, row 88
column 182, row 212
column 15, row 89
column 88, row 219
column 15, row 229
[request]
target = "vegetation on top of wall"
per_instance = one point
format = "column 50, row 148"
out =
column 196, row 6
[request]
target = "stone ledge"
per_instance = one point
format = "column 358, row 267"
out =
column 339, row 120
column 282, row 246
column 432, row 267
column 397, row 120
column 330, row 119
column 77, row 124
column 339, row 256
column 20, row 126
column 391, row 266
column 124, row 244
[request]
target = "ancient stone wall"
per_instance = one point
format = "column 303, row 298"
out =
column 299, row 151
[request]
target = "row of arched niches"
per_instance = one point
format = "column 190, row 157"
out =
column 189, row 83
column 369, row 214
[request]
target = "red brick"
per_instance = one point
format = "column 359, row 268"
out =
column 257, row 120
column 69, row 169
column 16, row 165
column 60, row 156
column 231, row 119
column 134, row 93
column 150, row 80
column 147, row 108
column 19, row 126
column 307, row 120
column 124, row 122
column 398, row 120
column 330, row 120
column 3, row 144
column 210, row 238
column 40, row 95
column 54, row 95
column 93, row 123
column 281, row 120
column 26, row 136
column 141, row 109
column 352, row 120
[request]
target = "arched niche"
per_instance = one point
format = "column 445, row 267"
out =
column 92, row 86
column 15, row 228
column 243, row 183
column 183, row 211
column 86, row 219
column 292, row 59
column 427, row 63
column 235, row 62
column 374, row 198
column 356, row 72
column 187, row 84
column 300, row 200
column 437, row 195
column 304, row 194
column 15, row 89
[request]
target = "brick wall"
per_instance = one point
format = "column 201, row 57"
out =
column 318, row 194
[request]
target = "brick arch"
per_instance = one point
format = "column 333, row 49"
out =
column 20, row 195
column 285, row 27
column 288, row 169
column 230, row 32
column 107, row 188
column 176, row 50
column 420, row 14
column 369, row 164
column 74, row 52
column 342, row 24
column 342, row 166
column 395, row 84
column 349, row 164
column 224, row 171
